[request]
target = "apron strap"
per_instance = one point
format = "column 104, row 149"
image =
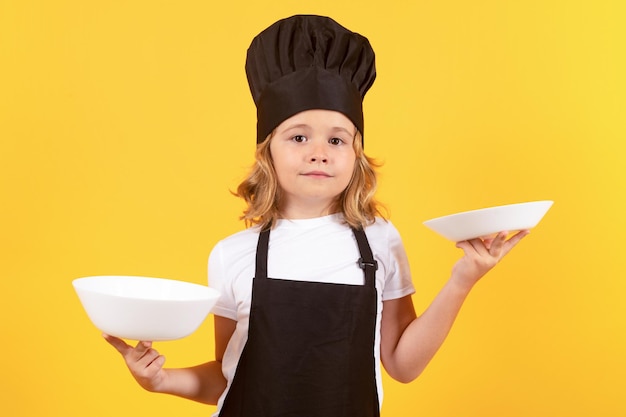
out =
column 261, row 254
column 367, row 263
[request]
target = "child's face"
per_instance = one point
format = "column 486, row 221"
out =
column 314, row 159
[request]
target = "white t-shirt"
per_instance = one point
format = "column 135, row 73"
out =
column 321, row 249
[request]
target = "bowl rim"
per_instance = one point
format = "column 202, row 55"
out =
column 209, row 292
column 547, row 203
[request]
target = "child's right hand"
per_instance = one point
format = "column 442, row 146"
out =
column 144, row 362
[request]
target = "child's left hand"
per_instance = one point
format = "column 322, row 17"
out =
column 481, row 255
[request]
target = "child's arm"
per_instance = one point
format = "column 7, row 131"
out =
column 203, row 383
column 408, row 343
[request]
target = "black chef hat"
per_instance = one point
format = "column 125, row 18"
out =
column 308, row 62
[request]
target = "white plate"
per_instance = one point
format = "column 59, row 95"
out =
column 487, row 221
column 145, row 308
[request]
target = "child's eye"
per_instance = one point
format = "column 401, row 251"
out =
column 335, row 141
column 299, row 138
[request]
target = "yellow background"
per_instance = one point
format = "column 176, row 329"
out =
column 123, row 125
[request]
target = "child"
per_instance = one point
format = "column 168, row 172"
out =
column 318, row 292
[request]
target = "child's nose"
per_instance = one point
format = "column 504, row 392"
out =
column 319, row 158
column 318, row 155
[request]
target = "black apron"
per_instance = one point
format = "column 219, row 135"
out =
column 310, row 347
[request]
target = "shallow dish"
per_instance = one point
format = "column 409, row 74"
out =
column 487, row 221
column 144, row 308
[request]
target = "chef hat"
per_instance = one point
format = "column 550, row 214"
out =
column 308, row 62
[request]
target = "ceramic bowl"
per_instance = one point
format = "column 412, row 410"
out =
column 487, row 221
column 145, row 308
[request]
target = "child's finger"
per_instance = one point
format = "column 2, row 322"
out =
column 157, row 362
column 514, row 240
column 480, row 247
column 496, row 245
column 472, row 247
column 150, row 362
column 140, row 350
column 465, row 245
column 121, row 346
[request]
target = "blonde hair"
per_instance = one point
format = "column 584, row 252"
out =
column 262, row 194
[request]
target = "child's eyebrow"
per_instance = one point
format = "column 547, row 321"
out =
column 296, row 126
column 343, row 129
column 306, row 126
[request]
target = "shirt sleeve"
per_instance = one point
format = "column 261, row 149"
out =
column 226, row 305
column 398, row 280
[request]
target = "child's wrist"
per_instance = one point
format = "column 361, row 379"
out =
column 461, row 285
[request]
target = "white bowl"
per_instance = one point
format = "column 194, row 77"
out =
column 145, row 308
column 487, row 221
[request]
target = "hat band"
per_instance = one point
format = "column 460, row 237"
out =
column 307, row 89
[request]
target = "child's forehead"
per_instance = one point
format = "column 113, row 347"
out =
column 318, row 118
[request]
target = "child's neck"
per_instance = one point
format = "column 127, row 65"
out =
column 306, row 211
